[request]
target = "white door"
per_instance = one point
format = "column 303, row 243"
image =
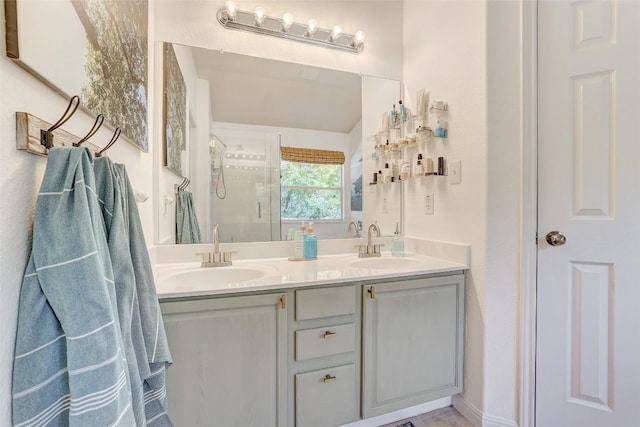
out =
column 588, row 342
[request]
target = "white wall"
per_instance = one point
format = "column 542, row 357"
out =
column 469, row 56
column 445, row 53
column 20, row 179
column 194, row 23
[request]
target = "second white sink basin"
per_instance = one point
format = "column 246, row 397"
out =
column 386, row 263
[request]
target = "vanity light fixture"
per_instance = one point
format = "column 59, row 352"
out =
column 230, row 10
column 259, row 22
column 260, row 14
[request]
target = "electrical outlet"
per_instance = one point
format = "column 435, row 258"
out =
column 455, row 172
column 428, row 204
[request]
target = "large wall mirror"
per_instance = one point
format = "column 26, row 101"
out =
column 241, row 114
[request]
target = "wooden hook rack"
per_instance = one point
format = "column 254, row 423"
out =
column 28, row 135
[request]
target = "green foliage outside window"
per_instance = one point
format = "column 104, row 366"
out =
column 311, row 191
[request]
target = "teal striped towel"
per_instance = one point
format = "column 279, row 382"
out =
column 187, row 228
column 155, row 339
column 69, row 365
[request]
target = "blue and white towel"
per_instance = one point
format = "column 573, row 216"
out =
column 158, row 355
column 187, row 228
column 69, row 366
column 112, row 202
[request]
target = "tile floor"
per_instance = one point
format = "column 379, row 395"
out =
column 445, row 417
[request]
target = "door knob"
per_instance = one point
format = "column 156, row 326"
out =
column 555, row 238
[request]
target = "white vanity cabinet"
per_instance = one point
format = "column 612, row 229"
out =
column 229, row 357
column 413, row 337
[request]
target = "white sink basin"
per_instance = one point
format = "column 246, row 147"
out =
column 210, row 277
column 386, row 263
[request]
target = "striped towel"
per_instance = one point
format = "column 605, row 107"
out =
column 69, row 366
column 111, row 198
column 187, row 228
column 155, row 339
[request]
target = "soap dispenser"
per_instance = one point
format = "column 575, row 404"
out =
column 397, row 246
column 310, row 243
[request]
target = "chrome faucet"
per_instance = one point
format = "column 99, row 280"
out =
column 215, row 239
column 373, row 226
column 370, row 249
column 215, row 258
column 357, row 228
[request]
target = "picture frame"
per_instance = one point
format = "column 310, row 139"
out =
column 174, row 111
column 96, row 49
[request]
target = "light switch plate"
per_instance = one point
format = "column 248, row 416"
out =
column 428, row 204
column 455, row 172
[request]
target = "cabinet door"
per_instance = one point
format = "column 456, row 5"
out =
column 229, row 361
column 412, row 342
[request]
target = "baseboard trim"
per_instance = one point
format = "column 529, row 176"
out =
column 491, row 421
column 468, row 410
column 402, row 414
column 475, row 415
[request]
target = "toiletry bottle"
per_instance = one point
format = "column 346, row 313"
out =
column 405, row 171
column 403, row 113
column 310, row 243
column 394, row 116
column 397, row 246
column 419, row 169
column 387, row 173
column 298, row 244
column 441, row 129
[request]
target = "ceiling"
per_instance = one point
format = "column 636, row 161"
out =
column 261, row 91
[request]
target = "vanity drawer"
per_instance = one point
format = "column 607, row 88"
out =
column 325, row 302
column 320, row 342
column 326, row 397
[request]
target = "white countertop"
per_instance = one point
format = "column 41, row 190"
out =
column 189, row 279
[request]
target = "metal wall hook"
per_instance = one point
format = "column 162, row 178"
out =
column 46, row 136
column 96, row 126
column 185, row 183
column 114, row 138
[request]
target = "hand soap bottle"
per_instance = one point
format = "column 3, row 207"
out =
column 310, row 243
column 397, row 246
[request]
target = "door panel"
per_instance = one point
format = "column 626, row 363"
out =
column 588, row 343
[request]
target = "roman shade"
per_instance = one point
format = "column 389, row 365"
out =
column 310, row 155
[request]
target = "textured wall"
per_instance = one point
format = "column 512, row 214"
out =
column 20, row 180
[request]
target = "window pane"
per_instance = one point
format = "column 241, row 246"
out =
column 311, row 175
column 311, row 204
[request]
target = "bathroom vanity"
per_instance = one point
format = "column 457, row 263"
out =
column 320, row 343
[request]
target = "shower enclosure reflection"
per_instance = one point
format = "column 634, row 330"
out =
column 245, row 185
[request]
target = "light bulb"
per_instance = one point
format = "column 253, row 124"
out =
column 336, row 31
column 287, row 21
column 260, row 15
column 358, row 38
column 231, row 9
column 312, row 26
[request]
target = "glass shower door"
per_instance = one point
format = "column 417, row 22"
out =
column 245, row 185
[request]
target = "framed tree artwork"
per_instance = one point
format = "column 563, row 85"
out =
column 97, row 49
column 174, row 111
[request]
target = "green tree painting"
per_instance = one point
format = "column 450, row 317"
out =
column 116, row 64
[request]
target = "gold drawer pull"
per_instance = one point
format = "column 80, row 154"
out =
column 329, row 334
column 372, row 292
column 328, row 379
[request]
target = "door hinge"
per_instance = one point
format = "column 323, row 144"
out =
column 536, row 238
column 283, row 301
